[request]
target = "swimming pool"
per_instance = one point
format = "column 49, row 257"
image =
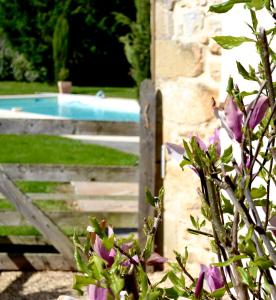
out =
column 77, row 107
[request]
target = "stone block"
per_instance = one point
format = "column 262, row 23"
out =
column 214, row 68
column 215, row 48
column 168, row 4
column 187, row 101
column 212, row 25
column 174, row 59
column 163, row 22
column 187, row 23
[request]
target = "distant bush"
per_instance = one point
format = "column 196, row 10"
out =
column 16, row 66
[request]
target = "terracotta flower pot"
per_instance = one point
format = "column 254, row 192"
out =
column 64, row 87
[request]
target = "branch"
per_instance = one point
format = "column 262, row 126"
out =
column 261, row 230
column 266, row 64
column 248, row 224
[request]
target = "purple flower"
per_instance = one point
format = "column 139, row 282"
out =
column 97, row 293
column 134, row 261
column 258, row 112
column 272, row 223
column 156, row 259
column 176, row 151
column 215, row 140
column 107, row 255
column 213, row 278
column 201, row 144
column 199, row 285
column 233, row 118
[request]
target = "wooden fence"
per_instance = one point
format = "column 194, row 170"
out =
column 54, row 250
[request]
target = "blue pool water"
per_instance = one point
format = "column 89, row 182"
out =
column 84, row 108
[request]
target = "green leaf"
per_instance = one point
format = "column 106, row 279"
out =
column 149, row 247
column 171, row 293
column 150, row 199
column 194, row 222
column 258, row 192
column 96, row 227
column 245, row 277
column 108, row 242
column 244, row 94
column 244, row 73
column 175, row 281
column 187, row 150
column 263, row 262
column 227, row 155
column 82, row 281
column 227, row 207
column 225, row 6
column 218, row 293
column 249, row 233
column 257, row 4
column 254, row 19
column 229, row 261
column 81, row 265
column 230, row 86
column 229, row 42
column 163, row 279
column 153, row 295
column 117, row 284
column 143, row 279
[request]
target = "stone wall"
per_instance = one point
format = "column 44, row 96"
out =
column 186, row 68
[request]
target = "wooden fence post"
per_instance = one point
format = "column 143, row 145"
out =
column 37, row 218
column 150, row 155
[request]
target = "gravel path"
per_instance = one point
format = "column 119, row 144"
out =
column 47, row 285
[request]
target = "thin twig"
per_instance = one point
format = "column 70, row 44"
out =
column 199, row 232
column 235, row 232
column 178, row 259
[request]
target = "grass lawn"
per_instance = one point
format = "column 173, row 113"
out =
column 13, row 88
column 35, row 149
column 52, row 150
column 26, row 230
column 45, row 205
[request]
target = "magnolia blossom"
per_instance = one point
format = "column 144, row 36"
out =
column 156, row 259
column 199, row 285
column 258, row 112
column 96, row 292
column 177, row 152
column 213, row 278
column 107, row 255
column 234, row 117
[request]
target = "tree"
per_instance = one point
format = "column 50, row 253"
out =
column 137, row 41
column 95, row 56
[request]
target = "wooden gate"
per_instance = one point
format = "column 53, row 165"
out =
column 61, row 256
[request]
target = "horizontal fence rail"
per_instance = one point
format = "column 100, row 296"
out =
column 66, row 173
column 78, row 220
column 69, row 127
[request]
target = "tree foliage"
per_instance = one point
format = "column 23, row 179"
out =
column 137, row 41
column 95, row 55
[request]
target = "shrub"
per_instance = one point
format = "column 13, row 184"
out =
column 236, row 194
